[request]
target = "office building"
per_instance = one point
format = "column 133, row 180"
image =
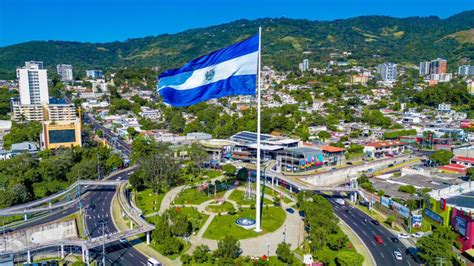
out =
column 62, row 134
column 94, row 74
column 466, row 70
column 33, row 83
column 424, row 68
column 46, row 112
column 387, row 72
column 65, row 72
column 438, row 66
column 305, row 65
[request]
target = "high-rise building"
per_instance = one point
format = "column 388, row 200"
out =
column 301, row 67
column 305, row 65
column 438, row 66
column 94, row 74
column 424, row 68
column 387, row 71
column 33, row 83
column 466, row 70
column 65, row 71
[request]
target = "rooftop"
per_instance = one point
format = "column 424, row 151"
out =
column 383, row 144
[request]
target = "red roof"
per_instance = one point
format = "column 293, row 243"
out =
column 382, row 144
column 332, row 149
column 464, row 159
column 454, row 168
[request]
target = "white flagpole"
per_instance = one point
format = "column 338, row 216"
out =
column 257, row 207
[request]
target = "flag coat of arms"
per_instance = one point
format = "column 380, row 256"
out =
column 229, row 71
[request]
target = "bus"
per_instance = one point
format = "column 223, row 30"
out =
column 153, row 262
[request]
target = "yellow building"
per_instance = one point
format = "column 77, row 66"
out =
column 59, row 134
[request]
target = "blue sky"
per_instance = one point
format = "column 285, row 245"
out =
column 111, row 20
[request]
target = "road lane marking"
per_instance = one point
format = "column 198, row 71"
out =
column 364, row 233
column 381, row 254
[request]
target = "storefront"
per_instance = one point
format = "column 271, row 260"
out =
column 462, row 224
column 437, row 212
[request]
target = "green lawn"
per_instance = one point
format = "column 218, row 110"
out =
column 272, row 219
column 239, row 197
column 193, row 196
column 148, row 201
column 224, row 207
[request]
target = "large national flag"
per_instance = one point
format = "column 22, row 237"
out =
column 228, row 71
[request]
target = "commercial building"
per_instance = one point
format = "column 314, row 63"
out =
column 384, row 148
column 42, row 112
column 33, row 83
column 61, row 134
column 387, row 72
column 466, row 70
column 94, row 74
column 65, row 72
column 299, row 159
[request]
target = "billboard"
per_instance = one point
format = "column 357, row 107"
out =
column 402, row 210
column 433, row 216
column 460, row 225
column 385, row 201
column 416, row 221
column 62, row 136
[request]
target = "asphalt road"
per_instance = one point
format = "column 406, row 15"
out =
column 382, row 253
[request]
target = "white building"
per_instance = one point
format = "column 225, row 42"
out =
column 466, row 70
column 33, row 83
column 387, row 72
column 65, row 71
column 424, row 68
column 305, row 65
column 441, row 77
column 94, row 74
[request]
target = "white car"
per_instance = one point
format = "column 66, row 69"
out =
column 403, row 236
column 398, row 255
column 419, row 234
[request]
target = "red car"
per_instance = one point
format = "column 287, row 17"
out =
column 378, row 239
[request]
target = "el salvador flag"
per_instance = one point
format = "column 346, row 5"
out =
column 228, row 71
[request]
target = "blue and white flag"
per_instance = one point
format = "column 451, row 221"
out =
column 228, row 71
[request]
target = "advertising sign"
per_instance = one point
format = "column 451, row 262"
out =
column 433, row 216
column 460, row 225
column 442, row 204
column 416, row 221
column 385, row 201
column 402, row 210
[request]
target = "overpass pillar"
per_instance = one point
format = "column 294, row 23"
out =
column 131, row 224
column 87, row 257
column 83, row 254
column 28, row 257
column 26, row 217
column 148, row 238
column 62, row 252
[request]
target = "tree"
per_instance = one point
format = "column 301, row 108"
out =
column 349, row 258
column 229, row 169
column 243, row 174
column 201, row 254
column 22, row 132
column 86, row 169
column 470, row 173
column 284, row 253
column 197, row 155
column 172, row 245
column 228, row 249
column 324, row 135
column 437, row 246
column 159, row 169
column 441, row 157
column 132, row 132
column 136, row 181
column 114, row 161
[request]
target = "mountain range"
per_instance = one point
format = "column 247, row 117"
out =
column 285, row 43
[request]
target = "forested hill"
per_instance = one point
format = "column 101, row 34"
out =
column 371, row 39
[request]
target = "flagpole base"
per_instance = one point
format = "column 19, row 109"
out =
column 258, row 230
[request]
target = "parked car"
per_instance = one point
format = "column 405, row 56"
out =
column 403, row 236
column 290, row 210
column 375, row 222
column 418, row 234
column 398, row 255
column 378, row 239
